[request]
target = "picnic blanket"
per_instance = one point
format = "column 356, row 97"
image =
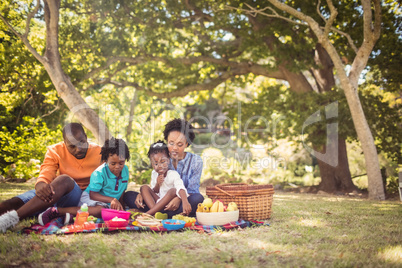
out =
column 56, row 227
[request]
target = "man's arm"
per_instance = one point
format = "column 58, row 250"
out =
column 47, row 174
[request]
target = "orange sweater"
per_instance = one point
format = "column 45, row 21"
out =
column 59, row 161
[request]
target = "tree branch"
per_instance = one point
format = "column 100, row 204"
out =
column 29, row 18
column 319, row 12
column 377, row 19
column 254, row 12
column 333, row 13
column 24, row 39
column 367, row 20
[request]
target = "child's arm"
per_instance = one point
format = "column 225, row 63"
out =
column 186, row 204
column 114, row 203
column 159, row 181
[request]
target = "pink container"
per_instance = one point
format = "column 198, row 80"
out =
column 108, row 214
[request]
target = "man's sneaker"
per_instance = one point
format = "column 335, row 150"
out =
column 52, row 213
column 8, row 220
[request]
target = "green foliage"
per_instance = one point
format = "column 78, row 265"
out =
column 24, row 148
column 392, row 185
column 260, row 117
column 143, row 177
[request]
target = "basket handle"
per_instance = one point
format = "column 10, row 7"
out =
column 223, row 191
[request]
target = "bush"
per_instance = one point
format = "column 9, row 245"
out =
column 143, row 177
column 24, row 149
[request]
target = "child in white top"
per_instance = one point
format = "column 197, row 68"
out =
column 165, row 184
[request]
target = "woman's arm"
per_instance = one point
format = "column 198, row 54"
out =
column 186, row 204
column 194, row 175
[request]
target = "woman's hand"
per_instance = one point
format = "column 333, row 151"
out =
column 174, row 204
column 186, row 207
column 115, row 204
column 139, row 202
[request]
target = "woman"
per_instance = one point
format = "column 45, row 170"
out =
column 179, row 135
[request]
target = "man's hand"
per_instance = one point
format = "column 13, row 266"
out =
column 115, row 204
column 173, row 204
column 44, row 191
column 139, row 202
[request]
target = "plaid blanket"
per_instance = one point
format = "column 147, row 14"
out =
column 56, row 227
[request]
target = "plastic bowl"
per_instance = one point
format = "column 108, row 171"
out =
column 108, row 214
column 217, row 218
column 116, row 223
column 173, row 224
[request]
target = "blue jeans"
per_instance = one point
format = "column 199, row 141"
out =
column 193, row 199
column 69, row 200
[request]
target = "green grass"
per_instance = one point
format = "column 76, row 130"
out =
column 306, row 231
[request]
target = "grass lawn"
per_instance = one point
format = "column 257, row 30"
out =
column 306, row 231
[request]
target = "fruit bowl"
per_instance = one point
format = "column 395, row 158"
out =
column 217, row 218
column 108, row 214
column 173, row 224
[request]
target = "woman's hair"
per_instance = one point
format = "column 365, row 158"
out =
column 158, row 147
column 115, row 146
column 182, row 126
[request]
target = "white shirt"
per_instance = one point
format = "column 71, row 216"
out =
column 172, row 180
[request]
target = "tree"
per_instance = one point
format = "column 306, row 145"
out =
column 371, row 31
column 51, row 60
column 168, row 49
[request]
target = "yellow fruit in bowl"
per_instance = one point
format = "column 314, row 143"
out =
column 232, row 206
column 207, row 202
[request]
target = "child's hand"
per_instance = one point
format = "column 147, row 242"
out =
column 115, row 204
column 186, row 207
column 139, row 202
column 160, row 179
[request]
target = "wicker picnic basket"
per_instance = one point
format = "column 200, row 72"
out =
column 254, row 201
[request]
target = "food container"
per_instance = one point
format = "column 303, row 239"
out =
column 254, row 201
column 108, row 214
column 217, row 218
column 173, row 224
column 116, row 223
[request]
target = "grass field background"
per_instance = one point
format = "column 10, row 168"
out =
column 305, row 231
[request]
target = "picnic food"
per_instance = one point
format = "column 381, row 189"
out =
column 217, row 206
column 184, row 218
column 232, row 206
column 117, row 219
column 207, row 202
column 147, row 220
column 92, row 218
column 161, row 216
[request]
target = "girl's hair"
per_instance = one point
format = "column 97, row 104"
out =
column 115, row 146
column 158, row 147
column 182, row 126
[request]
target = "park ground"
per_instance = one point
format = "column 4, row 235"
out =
column 306, row 230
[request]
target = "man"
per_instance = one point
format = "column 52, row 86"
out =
column 63, row 176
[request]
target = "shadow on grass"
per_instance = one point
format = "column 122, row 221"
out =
column 10, row 189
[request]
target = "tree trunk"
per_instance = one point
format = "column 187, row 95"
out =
column 371, row 33
column 52, row 63
column 338, row 178
column 333, row 178
column 133, row 103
